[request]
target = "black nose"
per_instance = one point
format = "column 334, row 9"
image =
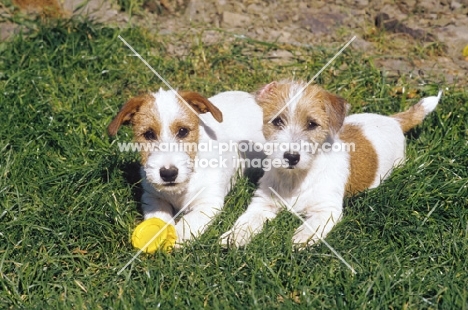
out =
column 292, row 158
column 168, row 174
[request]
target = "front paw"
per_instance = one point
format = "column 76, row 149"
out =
column 248, row 225
column 184, row 233
column 315, row 228
column 304, row 237
column 237, row 237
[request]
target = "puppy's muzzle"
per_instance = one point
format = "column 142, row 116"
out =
column 168, row 174
column 292, row 158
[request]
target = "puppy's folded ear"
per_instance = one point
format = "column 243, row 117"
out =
column 266, row 90
column 336, row 108
column 201, row 104
column 126, row 113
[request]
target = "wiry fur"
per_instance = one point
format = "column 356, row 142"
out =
column 158, row 118
column 316, row 184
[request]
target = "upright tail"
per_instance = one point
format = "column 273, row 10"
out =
column 416, row 114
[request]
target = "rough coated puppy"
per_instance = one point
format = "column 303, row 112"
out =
column 325, row 157
column 181, row 154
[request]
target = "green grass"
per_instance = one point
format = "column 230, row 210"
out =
column 69, row 198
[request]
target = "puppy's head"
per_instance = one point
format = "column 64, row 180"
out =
column 298, row 119
column 166, row 131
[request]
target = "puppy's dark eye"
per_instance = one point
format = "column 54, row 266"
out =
column 311, row 125
column 278, row 122
column 182, row 133
column 149, row 135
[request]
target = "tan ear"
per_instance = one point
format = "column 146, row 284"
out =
column 336, row 108
column 201, row 104
column 126, row 113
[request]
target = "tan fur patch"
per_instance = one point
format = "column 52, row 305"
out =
column 363, row 161
column 411, row 117
column 336, row 108
column 46, row 8
column 271, row 99
column 312, row 107
column 144, row 120
column 127, row 111
column 202, row 104
column 191, row 123
column 315, row 103
column 140, row 113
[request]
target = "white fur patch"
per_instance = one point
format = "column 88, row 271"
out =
column 430, row 103
column 199, row 192
column 169, row 110
column 294, row 96
column 316, row 190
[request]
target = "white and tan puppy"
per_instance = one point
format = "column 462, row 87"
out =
column 184, row 164
column 324, row 155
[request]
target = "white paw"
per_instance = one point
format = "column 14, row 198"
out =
column 192, row 225
column 239, row 236
column 184, row 233
column 224, row 240
column 248, row 225
column 304, row 237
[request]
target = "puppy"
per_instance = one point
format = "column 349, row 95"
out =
column 324, row 156
column 183, row 164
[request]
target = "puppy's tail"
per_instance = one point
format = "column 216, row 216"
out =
column 416, row 114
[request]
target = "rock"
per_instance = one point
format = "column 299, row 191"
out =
column 395, row 68
column 280, row 56
column 407, row 6
column 394, row 12
column 454, row 5
column 383, row 21
column 313, row 24
column 358, row 3
column 7, row 30
column 321, row 22
column 234, row 20
column 282, row 17
column 255, row 9
column 432, row 6
column 361, row 45
column 98, row 10
column 211, row 36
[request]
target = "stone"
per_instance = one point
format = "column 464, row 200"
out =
column 321, row 22
column 280, row 56
column 454, row 5
column 97, row 10
column 361, row 44
column 7, row 30
column 234, row 20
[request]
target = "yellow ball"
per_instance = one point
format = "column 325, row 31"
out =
column 154, row 234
